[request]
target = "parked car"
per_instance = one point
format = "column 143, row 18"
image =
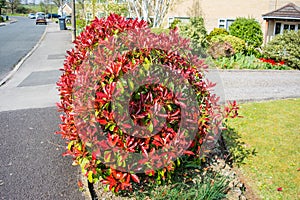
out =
column 52, row 15
column 40, row 19
column 40, row 14
column 31, row 16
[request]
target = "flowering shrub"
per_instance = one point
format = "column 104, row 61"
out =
column 271, row 61
column 134, row 103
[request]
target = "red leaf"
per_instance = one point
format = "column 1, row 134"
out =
column 279, row 189
column 102, row 121
column 189, row 153
column 126, row 125
column 135, row 178
column 80, row 184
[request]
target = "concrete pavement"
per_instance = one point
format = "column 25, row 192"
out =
column 31, row 162
column 33, row 85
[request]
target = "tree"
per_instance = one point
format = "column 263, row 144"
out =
column 117, row 8
column 153, row 11
column 2, row 5
column 13, row 4
column 196, row 32
column 59, row 3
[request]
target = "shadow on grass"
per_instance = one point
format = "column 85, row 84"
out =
column 237, row 150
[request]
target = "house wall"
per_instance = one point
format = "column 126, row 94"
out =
column 213, row 10
column 67, row 10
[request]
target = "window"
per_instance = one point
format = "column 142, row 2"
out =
column 88, row 16
column 286, row 26
column 182, row 19
column 277, row 28
column 225, row 23
column 120, row 1
column 101, row 14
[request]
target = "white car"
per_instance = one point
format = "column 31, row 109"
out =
column 40, row 14
column 31, row 16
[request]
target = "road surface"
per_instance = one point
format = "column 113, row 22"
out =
column 16, row 40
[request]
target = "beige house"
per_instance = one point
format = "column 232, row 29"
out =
column 279, row 20
column 221, row 13
column 65, row 9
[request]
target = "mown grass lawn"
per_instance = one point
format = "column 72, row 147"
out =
column 273, row 129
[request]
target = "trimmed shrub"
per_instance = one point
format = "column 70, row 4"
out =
column 96, row 80
column 220, row 49
column 247, row 29
column 196, row 32
column 215, row 32
column 285, row 47
column 237, row 44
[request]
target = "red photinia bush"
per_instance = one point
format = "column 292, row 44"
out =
column 134, row 102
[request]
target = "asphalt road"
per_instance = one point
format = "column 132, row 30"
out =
column 16, row 40
column 31, row 160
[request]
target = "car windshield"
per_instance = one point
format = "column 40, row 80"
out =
column 40, row 14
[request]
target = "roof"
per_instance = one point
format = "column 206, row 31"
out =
column 66, row 5
column 289, row 11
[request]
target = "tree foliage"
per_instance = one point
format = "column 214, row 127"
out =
column 13, row 4
column 196, row 32
column 152, row 11
column 2, row 5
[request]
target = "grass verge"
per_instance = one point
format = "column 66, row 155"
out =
column 273, row 129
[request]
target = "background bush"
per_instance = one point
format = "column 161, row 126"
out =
column 285, row 47
column 215, row 32
column 1, row 19
column 247, row 29
column 237, row 44
column 220, row 49
column 196, row 32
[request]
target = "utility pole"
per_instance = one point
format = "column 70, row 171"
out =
column 73, row 20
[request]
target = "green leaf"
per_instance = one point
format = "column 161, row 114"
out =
column 70, row 144
column 111, row 128
column 131, row 85
column 150, row 127
column 90, row 176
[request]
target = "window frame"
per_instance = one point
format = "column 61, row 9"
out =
column 224, row 22
column 283, row 23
